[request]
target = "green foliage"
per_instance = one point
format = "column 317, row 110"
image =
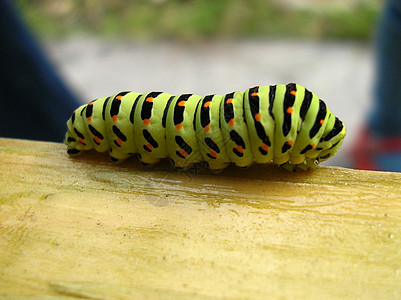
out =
column 351, row 25
column 197, row 20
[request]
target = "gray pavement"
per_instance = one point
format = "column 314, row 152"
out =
column 339, row 73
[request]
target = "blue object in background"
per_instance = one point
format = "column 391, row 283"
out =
column 379, row 145
column 385, row 119
column 34, row 102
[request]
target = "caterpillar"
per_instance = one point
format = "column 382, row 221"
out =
column 283, row 124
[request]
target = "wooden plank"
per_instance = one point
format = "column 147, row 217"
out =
column 85, row 227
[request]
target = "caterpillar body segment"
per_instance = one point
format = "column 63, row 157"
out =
column 235, row 131
column 284, row 124
column 182, row 143
column 207, row 125
column 261, row 125
column 149, row 128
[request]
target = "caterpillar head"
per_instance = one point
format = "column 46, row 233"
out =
column 331, row 140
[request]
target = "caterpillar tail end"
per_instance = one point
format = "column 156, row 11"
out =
column 73, row 151
column 70, row 142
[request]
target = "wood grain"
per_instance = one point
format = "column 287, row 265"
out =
column 84, row 227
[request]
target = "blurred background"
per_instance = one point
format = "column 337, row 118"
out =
column 209, row 46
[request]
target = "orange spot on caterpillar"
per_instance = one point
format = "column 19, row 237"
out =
column 294, row 93
column 149, row 99
column 265, row 147
column 183, row 153
column 75, row 111
column 321, row 122
column 146, row 122
column 149, row 146
column 96, row 139
column 82, row 141
column 207, row 104
column 115, row 118
column 181, row 103
column 229, row 101
column 213, row 153
column 119, row 97
column 313, row 145
column 207, row 127
column 89, row 119
column 231, row 122
column 290, row 142
column 119, row 141
column 290, row 110
column 178, row 126
column 90, row 103
column 255, row 94
column 239, row 149
column 257, row 117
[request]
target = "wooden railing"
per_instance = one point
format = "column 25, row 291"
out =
column 85, row 227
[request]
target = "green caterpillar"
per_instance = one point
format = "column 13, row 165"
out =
column 284, row 124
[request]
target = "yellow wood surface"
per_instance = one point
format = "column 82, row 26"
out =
column 84, row 227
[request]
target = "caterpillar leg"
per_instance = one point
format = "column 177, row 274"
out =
column 117, row 157
column 216, row 171
column 147, row 159
column 288, row 166
column 197, row 167
column 303, row 166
